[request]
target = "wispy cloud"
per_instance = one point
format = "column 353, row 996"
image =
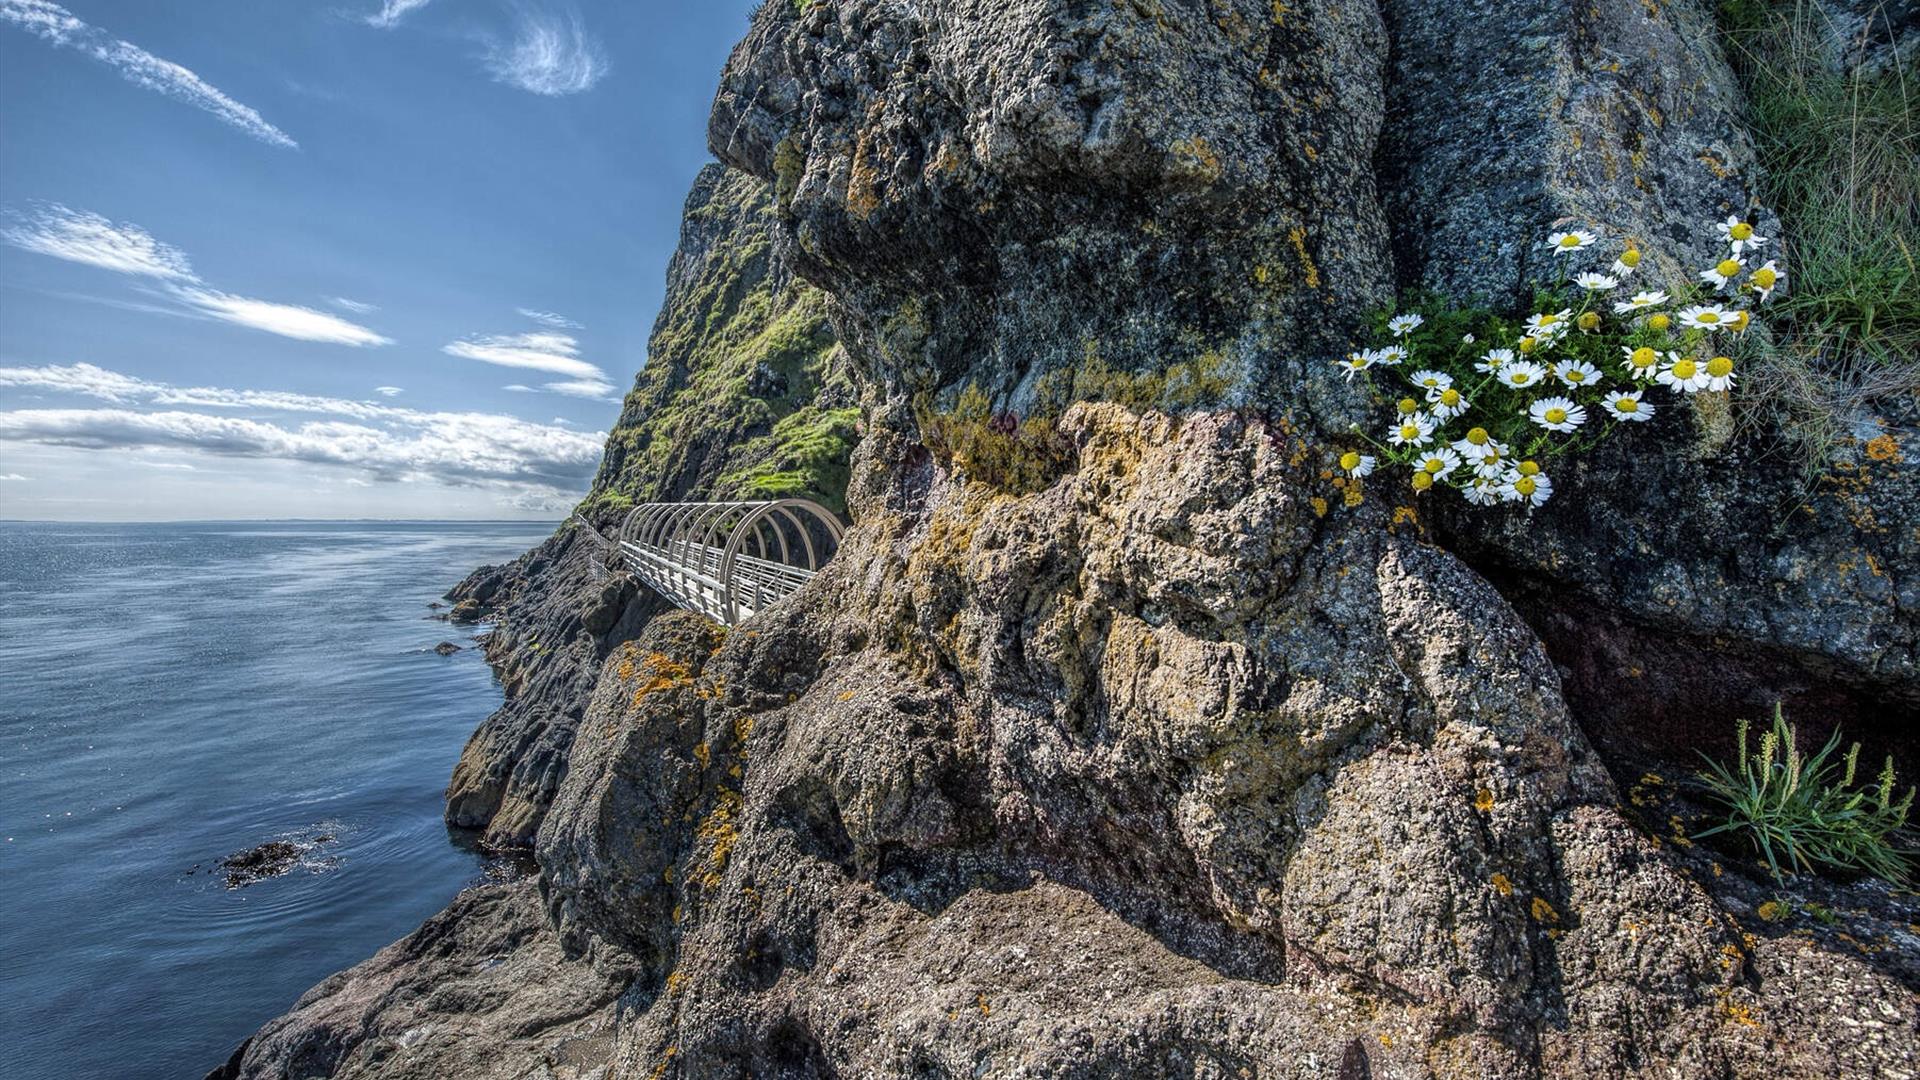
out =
column 286, row 320
column 88, row 238
column 388, row 391
column 541, row 350
column 392, row 11
column 540, row 461
column 354, row 306
column 548, row 318
column 551, row 54
column 56, row 24
column 11, row 476
column 597, row 389
column 82, row 237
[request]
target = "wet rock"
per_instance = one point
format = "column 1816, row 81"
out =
column 446, row 648
column 271, row 859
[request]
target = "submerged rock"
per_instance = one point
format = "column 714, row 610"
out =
column 447, row 648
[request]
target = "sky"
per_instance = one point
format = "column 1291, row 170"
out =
column 335, row 259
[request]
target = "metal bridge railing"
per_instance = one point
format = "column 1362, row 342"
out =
column 728, row 560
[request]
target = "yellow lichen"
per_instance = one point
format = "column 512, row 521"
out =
column 1297, row 236
column 1502, row 884
column 1883, row 448
column 1483, row 800
column 1543, row 911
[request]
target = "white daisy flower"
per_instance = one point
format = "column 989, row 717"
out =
column 1566, row 243
column 1493, row 463
column 1549, row 324
column 1624, row 406
column 1593, row 282
column 1522, row 374
column 1643, row 362
column 1557, row 414
column 1430, row 380
column 1402, row 325
column 1390, row 356
column 1494, row 361
column 1356, row 463
column 1684, row 376
column 1719, row 372
column 1415, row 430
column 1721, row 274
column 1576, row 373
column 1641, row 301
column 1438, row 463
column 1355, row 363
column 1466, row 339
column 1532, row 488
column 1447, row 403
column 1475, row 446
column 1765, row 278
column 1483, row 491
column 1626, row 264
column 1705, row 317
column 1739, row 234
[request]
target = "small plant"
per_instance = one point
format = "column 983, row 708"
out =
column 1483, row 403
column 1804, row 811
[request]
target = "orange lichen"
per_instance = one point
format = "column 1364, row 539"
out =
column 1883, row 448
column 1483, row 800
column 1503, row 885
column 1543, row 911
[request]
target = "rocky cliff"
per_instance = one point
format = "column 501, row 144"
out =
column 1176, row 762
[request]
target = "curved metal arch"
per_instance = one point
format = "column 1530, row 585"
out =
column 728, row 560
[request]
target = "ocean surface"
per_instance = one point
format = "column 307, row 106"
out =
column 172, row 694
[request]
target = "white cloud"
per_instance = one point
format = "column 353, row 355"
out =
column 286, row 320
column 354, row 306
column 541, row 350
column 11, row 476
column 388, row 391
column 78, row 236
column 551, row 54
column 520, row 388
column 387, row 443
column 392, row 11
column 176, row 466
column 558, row 322
column 597, row 389
column 56, row 24
column 88, row 238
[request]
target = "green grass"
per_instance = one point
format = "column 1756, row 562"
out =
column 1805, row 813
column 1840, row 154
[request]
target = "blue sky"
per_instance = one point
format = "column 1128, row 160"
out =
column 369, row 258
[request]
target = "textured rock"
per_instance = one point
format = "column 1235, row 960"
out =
column 990, row 189
column 481, row 990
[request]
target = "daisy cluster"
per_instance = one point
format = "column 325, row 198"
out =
column 1483, row 403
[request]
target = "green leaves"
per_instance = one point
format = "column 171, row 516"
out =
column 1804, row 812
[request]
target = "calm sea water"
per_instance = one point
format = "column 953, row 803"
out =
column 170, row 694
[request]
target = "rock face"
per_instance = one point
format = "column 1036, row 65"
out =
column 1195, row 760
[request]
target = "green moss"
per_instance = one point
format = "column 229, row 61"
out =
column 744, row 391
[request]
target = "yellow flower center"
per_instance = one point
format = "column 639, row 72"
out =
column 1590, row 320
column 1765, row 278
column 1684, row 369
column 1350, row 460
column 1659, row 322
column 1569, row 241
column 1556, row 415
column 1742, row 231
column 1708, row 317
column 1526, row 344
column 1720, row 367
column 1519, row 378
column 1626, row 404
column 1727, row 267
column 1740, row 321
column 1422, row 481
column 1450, row 398
column 1408, row 406
column 1409, row 431
column 1529, row 468
column 1478, row 436
column 1526, row 485
column 1549, row 320
column 1574, row 375
column 1630, row 257
column 1644, row 357
column 1434, row 465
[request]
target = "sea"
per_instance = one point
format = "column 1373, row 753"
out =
column 171, row 694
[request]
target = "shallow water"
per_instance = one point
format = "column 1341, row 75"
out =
column 171, row 694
